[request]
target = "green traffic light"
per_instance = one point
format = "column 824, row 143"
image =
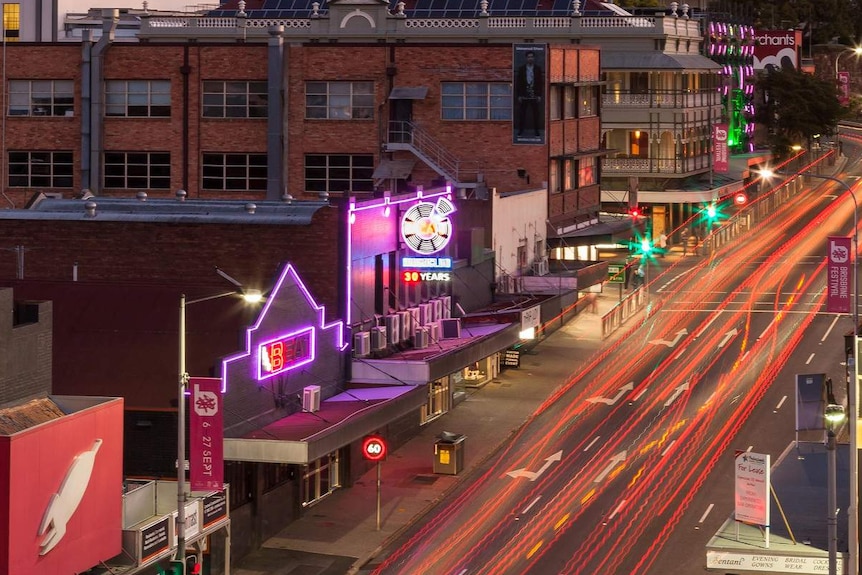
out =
column 711, row 211
column 646, row 247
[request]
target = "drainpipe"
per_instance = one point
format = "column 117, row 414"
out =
column 276, row 143
column 86, row 82
column 186, row 70
column 110, row 17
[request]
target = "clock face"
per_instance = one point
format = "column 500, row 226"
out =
column 426, row 228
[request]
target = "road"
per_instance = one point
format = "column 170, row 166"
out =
column 609, row 474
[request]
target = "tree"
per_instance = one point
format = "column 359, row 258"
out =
column 796, row 106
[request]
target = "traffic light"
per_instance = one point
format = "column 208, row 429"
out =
column 635, row 212
column 711, row 211
column 646, row 246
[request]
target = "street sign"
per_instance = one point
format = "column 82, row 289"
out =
column 374, row 448
column 616, row 274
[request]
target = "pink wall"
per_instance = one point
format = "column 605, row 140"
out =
column 35, row 463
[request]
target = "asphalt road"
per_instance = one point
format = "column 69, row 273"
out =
column 629, row 470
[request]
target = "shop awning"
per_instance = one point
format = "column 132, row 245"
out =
column 656, row 61
column 606, row 231
column 408, row 93
column 303, row 437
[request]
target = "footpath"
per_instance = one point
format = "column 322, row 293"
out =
column 339, row 535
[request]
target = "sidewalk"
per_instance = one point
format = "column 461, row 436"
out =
column 339, row 534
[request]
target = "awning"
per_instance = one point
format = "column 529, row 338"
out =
column 393, row 169
column 606, row 231
column 656, row 61
column 408, row 93
column 303, row 437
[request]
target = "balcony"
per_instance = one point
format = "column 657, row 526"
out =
column 658, row 166
column 661, row 99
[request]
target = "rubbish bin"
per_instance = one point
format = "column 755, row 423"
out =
column 449, row 453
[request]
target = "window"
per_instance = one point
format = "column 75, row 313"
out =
column 339, row 100
column 554, row 177
column 40, row 169
column 586, row 171
column 41, row 97
column 320, row 478
column 554, row 104
column 11, row 22
column 241, row 477
column 568, row 174
column 476, row 101
column 589, row 102
column 234, row 172
column 138, row 98
column 138, row 170
column 234, row 99
column 570, row 103
column 339, row 173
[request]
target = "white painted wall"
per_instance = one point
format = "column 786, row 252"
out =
column 518, row 218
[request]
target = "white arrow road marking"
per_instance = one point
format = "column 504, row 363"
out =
column 615, row 460
column 727, row 337
column 533, row 475
column 679, row 336
column 627, row 387
column 676, row 393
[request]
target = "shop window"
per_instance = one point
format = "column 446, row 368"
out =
column 320, row 478
column 438, row 400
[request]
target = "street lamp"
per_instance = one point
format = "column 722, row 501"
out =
column 250, row 296
column 834, row 417
column 857, row 51
column 852, row 392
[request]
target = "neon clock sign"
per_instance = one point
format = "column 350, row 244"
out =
column 286, row 352
column 426, row 227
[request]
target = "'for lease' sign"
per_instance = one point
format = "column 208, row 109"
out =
column 752, row 488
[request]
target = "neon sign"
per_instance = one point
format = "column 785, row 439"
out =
column 414, row 276
column 426, row 228
column 285, row 353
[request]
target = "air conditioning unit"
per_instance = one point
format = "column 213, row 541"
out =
column 361, row 344
column 378, row 338
column 434, row 331
column 438, row 309
column 450, row 328
column 426, row 313
column 540, row 267
column 420, row 338
column 414, row 318
column 311, row 398
column 406, row 321
column 393, row 328
column 447, row 306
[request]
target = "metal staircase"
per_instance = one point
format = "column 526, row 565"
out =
column 407, row 136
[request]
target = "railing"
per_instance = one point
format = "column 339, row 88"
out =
column 660, row 99
column 452, row 168
column 654, row 165
column 620, row 313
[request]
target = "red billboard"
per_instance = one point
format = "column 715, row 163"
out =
column 206, row 435
column 838, row 275
column 719, row 148
column 777, row 49
column 62, row 484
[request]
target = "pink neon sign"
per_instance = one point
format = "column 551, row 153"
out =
column 285, row 352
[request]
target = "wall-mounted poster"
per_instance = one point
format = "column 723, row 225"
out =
column 529, row 64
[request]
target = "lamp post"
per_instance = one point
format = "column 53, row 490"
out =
column 834, row 417
column 250, row 296
column 853, row 388
column 857, row 51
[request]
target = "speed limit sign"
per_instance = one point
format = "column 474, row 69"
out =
column 374, row 448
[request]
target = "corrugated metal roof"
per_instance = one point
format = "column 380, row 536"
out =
column 655, row 61
column 27, row 415
column 297, row 212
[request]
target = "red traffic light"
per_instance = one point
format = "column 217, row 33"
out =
column 374, row 448
column 634, row 212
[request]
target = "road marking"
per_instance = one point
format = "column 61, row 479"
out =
column 615, row 460
column 561, row 522
column 727, row 337
column 593, row 442
column 530, row 506
column 676, row 393
column 627, row 387
column 810, row 357
column 618, row 509
column 534, row 549
column 829, row 330
column 780, row 403
column 462, row 572
column 533, row 475
column 670, row 343
column 666, row 449
column 714, row 317
column 638, row 396
column 705, row 513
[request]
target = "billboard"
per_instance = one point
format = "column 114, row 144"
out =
column 752, row 488
column 529, row 63
column 777, row 49
column 719, row 148
column 838, row 275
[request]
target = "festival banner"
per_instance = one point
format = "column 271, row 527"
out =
column 719, row 148
column 838, row 275
column 206, row 435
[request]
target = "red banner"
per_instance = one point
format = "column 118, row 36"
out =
column 719, row 148
column 206, row 435
column 844, row 88
column 838, row 275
